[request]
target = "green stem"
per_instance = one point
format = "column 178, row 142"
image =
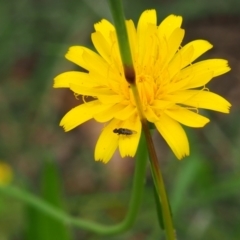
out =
column 119, row 21
column 157, row 177
column 159, row 184
column 134, row 205
column 120, row 25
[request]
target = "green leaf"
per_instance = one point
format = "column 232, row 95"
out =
column 184, row 179
column 41, row 226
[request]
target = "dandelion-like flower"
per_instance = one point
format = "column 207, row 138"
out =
column 170, row 85
column 6, row 173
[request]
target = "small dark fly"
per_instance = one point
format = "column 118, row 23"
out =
column 124, row 131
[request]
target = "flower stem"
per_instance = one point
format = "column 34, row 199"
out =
column 157, row 176
column 123, row 41
column 58, row 214
column 119, row 22
column 130, row 75
column 159, row 184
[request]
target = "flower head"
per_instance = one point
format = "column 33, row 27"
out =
column 171, row 86
column 6, row 173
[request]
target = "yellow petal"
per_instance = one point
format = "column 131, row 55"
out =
column 187, row 117
column 168, row 25
column 191, row 81
column 81, row 114
column 180, row 60
column 199, row 74
column 173, row 43
column 187, row 55
column 174, row 135
column 125, row 113
column 209, row 100
column 95, row 62
column 105, row 28
column 132, row 36
column 145, row 30
column 107, row 143
column 215, row 66
column 109, row 113
column 147, row 46
column 110, row 99
column 88, row 91
column 161, row 104
column 107, row 46
column 146, row 18
column 201, row 99
column 104, row 79
column 199, row 46
column 86, row 58
column 102, row 46
column 128, row 143
column 75, row 55
column 64, row 80
column 150, row 114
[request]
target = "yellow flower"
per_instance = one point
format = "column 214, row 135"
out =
column 6, row 174
column 171, row 87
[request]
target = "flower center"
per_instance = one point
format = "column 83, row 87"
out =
column 146, row 88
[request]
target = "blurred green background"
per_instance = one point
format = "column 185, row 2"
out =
column 204, row 189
